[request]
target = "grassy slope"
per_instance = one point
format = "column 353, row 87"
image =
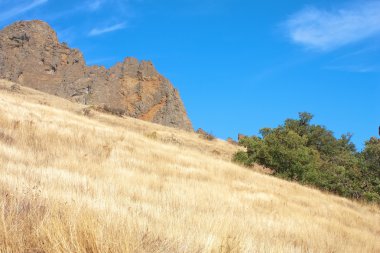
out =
column 98, row 183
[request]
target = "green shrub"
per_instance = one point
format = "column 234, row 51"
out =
column 310, row 154
column 372, row 196
column 241, row 157
column 153, row 135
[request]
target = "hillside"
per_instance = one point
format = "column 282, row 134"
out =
column 77, row 180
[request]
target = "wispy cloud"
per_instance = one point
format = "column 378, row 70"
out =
column 21, row 9
column 67, row 35
column 362, row 52
column 361, row 60
column 75, row 9
column 95, row 5
column 355, row 68
column 326, row 30
column 99, row 31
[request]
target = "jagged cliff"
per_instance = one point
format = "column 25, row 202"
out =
column 30, row 54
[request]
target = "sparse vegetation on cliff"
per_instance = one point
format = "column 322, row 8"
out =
column 205, row 135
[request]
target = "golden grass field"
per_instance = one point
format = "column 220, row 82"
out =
column 98, row 183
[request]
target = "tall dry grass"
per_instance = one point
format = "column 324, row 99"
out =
column 96, row 183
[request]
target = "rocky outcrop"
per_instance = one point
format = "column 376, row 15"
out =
column 30, row 54
column 241, row 136
column 232, row 141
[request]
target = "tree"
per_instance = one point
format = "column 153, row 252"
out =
column 371, row 154
column 311, row 154
column 371, row 169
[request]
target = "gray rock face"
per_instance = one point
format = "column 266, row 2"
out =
column 30, row 54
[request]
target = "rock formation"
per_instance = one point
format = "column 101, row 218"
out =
column 30, row 54
column 241, row 136
column 232, row 141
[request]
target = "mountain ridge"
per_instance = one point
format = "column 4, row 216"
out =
column 30, row 54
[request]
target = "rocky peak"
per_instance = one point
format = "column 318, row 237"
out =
column 34, row 32
column 31, row 55
column 135, row 68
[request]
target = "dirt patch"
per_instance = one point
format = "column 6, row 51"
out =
column 4, row 138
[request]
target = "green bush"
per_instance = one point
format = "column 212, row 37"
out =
column 372, row 196
column 241, row 157
column 311, row 154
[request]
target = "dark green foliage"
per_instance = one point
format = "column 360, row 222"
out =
column 371, row 160
column 371, row 155
column 241, row 157
column 312, row 155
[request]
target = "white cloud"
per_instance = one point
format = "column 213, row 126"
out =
column 327, row 30
column 95, row 5
column 99, row 31
column 355, row 68
column 21, row 9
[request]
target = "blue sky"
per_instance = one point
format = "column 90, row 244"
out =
column 239, row 65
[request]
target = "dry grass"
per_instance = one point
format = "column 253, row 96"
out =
column 97, row 183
